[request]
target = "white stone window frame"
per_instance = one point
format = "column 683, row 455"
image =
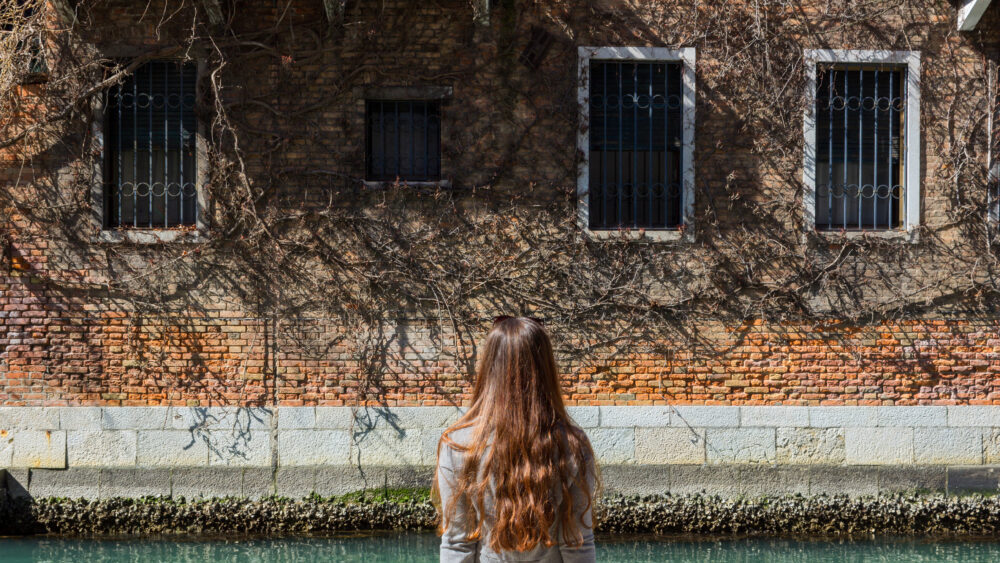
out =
column 152, row 236
column 687, row 56
column 911, row 139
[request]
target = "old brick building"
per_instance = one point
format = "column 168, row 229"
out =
column 323, row 204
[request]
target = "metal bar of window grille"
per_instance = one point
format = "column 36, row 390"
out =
column 829, row 143
column 135, row 150
column 635, row 144
column 892, row 168
column 843, row 196
column 875, row 157
column 902, row 146
column 380, row 173
column 649, row 155
column 621, row 139
column 118, row 188
column 604, row 150
column 413, row 142
column 395, row 130
column 181, row 146
column 149, row 147
column 166, row 144
column 666, row 143
column 861, row 144
column 427, row 143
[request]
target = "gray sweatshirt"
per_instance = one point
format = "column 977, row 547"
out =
column 455, row 548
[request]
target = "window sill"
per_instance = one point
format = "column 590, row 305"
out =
column 162, row 236
column 910, row 236
column 642, row 235
column 382, row 184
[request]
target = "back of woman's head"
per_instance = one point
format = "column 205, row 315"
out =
column 524, row 447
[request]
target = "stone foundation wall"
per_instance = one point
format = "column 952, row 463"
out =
column 294, row 451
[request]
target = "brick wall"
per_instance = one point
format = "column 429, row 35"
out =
column 191, row 325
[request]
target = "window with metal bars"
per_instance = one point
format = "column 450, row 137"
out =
column 860, row 117
column 403, row 140
column 149, row 148
column 635, row 132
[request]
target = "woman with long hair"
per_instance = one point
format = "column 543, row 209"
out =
column 516, row 478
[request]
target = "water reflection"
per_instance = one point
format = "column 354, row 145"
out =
column 421, row 548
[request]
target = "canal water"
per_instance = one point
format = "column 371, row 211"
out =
column 422, row 548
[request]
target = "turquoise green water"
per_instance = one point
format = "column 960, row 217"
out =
column 420, row 548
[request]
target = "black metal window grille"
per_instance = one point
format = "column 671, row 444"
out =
column 635, row 130
column 404, row 140
column 860, row 115
column 150, row 132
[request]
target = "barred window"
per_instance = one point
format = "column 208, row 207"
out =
column 635, row 145
column 860, row 116
column 636, row 142
column 403, row 140
column 149, row 148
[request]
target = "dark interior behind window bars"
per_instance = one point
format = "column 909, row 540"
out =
column 404, row 140
column 635, row 130
column 860, row 112
column 149, row 144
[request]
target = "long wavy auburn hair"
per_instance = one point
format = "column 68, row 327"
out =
column 523, row 448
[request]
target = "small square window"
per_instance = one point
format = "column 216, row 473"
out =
column 149, row 148
column 403, row 140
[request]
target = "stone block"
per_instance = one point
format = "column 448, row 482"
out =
column 39, row 449
column 107, row 448
column 613, row 445
column 991, row 445
column 698, row 417
column 669, row 445
column 295, row 482
column 68, row 483
column 314, row 447
column 429, row 444
column 740, row 445
column 238, row 419
column 585, row 417
column 722, row 480
column 948, row 446
column 258, row 482
column 902, row 479
column 779, row 416
column 638, row 416
column 974, row 415
column 16, row 482
column 843, row 417
column 768, row 480
column 246, row 448
column 389, row 447
column 801, row 446
column 405, row 418
column 342, row 479
column 206, row 482
column 6, row 449
column 134, row 483
column 878, row 446
column 134, row 418
column 335, row 418
column 29, row 418
column 839, row 480
column 912, row 416
column 296, row 418
column 172, row 448
column 966, row 480
column 644, row 479
column 80, row 418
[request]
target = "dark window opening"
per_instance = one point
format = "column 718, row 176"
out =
column 149, row 147
column 860, row 112
column 635, row 129
column 404, row 140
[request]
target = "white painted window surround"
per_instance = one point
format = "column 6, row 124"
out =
column 970, row 12
column 911, row 135
column 687, row 57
